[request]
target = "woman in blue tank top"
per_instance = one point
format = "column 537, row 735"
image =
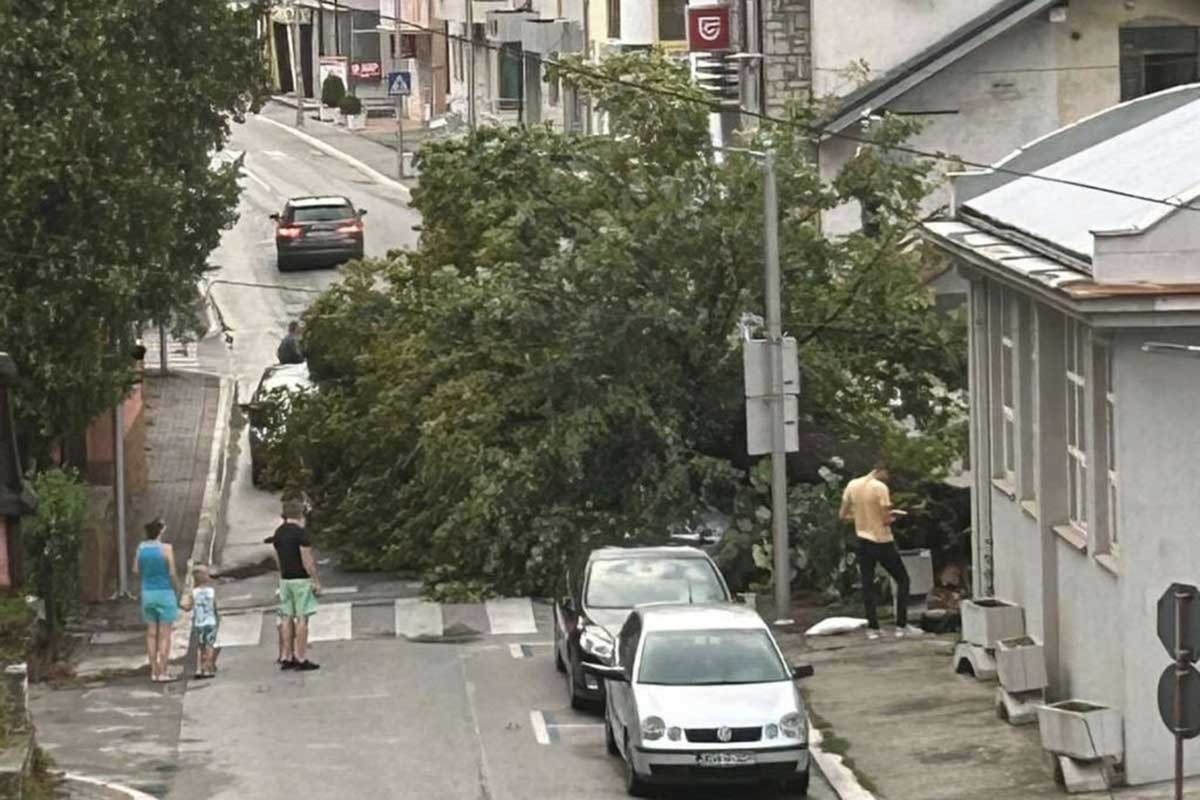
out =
column 155, row 563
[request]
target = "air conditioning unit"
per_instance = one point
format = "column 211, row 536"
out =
column 507, row 26
column 546, row 36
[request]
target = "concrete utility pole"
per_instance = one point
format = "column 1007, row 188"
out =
column 162, row 347
column 779, row 526
column 471, row 66
column 119, row 489
column 294, row 52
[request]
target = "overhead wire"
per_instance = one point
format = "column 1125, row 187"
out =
column 814, row 132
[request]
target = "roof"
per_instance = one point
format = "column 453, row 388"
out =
column 1156, row 158
column 953, row 46
column 664, row 551
column 316, row 201
column 698, row 617
column 293, row 377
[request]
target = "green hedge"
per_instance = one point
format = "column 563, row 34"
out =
column 52, row 540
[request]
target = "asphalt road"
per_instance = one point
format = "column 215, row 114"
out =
column 384, row 717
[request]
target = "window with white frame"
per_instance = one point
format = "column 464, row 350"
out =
column 1008, row 421
column 1077, row 414
column 1110, row 448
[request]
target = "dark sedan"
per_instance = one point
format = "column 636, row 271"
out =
column 602, row 592
column 318, row 230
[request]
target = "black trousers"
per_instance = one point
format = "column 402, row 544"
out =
column 886, row 555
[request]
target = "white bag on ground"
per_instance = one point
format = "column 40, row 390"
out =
column 836, row 625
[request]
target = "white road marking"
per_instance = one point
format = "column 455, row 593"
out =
column 240, row 630
column 516, row 651
column 415, row 617
column 540, row 731
column 252, row 176
column 339, row 590
column 575, row 724
column 510, row 615
column 331, row 623
column 181, row 636
column 278, row 155
column 241, row 598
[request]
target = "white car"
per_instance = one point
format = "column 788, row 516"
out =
column 701, row 694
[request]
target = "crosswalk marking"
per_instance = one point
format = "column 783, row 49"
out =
column 509, row 615
column 416, row 617
column 240, row 630
column 180, row 355
column 328, row 590
column 331, row 623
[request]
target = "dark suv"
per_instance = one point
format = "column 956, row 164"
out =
column 602, row 592
column 318, row 230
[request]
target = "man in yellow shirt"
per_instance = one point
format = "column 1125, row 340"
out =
column 868, row 503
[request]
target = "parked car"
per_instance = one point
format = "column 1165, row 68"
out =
column 267, row 410
column 318, row 230
column 703, row 695
column 601, row 593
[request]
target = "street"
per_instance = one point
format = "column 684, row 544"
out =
column 484, row 716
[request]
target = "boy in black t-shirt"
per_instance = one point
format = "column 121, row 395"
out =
column 298, row 587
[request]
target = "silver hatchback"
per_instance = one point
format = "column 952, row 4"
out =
column 701, row 694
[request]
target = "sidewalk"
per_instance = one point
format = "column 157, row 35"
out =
column 375, row 147
column 910, row 728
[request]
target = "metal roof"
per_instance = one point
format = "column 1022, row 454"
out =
column 686, row 617
column 1159, row 158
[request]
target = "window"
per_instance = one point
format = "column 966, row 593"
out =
column 1077, row 413
column 710, row 658
column 614, row 19
column 1110, row 447
column 1154, row 59
column 672, row 20
column 629, row 582
column 1008, row 413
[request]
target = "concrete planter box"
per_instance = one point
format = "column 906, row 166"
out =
column 356, row 122
column 1021, row 664
column 1071, row 727
column 987, row 620
column 328, row 114
column 919, row 564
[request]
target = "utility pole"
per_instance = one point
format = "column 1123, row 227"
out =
column 119, row 490
column 779, row 526
column 294, row 51
column 471, row 66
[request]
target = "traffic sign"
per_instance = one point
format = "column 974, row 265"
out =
column 1189, row 688
column 756, row 363
column 1188, row 598
column 399, row 84
column 708, row 28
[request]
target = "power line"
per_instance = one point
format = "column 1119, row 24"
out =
column 814, row 132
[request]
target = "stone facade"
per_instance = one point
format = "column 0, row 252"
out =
column 787, row 46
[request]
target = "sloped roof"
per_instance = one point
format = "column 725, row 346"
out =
column 933, row 59
column 1156, row 158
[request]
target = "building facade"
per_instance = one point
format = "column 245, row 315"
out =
column 1082, row 433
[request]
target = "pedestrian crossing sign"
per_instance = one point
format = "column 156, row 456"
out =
column 399, row 84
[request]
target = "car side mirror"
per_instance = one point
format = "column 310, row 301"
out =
column 274, row 217
column 605, row 672
column 362, row 212
column 800, row 671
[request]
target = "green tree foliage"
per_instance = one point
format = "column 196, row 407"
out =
column 559, row 365
column 332, row 91
column 109, row 119
column 52, row 538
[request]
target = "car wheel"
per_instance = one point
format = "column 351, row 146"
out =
column 798, row 786
column 610, row 740
column 577, row 702
column 634, row 785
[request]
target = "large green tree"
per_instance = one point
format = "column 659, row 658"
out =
column 110, row 116
column 558, row 364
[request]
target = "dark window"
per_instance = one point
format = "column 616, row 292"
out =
column 552, row 82
column 614, row 19
column 1154, row 59
column 672, row 20
column 321, row 213
column 710, row 658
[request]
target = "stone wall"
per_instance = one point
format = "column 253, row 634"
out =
column 787, row 46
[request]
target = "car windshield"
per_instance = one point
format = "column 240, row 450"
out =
column 321, row 213
column 710, row 658
column 629, row 582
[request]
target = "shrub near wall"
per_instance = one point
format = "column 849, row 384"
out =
column 52, row 539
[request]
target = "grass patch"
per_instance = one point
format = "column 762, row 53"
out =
column 42, row 784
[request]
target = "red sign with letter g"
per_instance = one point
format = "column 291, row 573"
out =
column 708, row 28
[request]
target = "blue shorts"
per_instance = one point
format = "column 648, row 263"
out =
column 159, row 606
column 206, row 635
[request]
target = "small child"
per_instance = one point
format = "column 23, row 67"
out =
column 204, row 623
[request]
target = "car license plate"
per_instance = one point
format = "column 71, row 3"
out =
column 323, row 234
column 725, row 759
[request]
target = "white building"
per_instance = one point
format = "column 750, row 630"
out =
column 1083, row 446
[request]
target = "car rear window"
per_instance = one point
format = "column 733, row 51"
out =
column 628, row 582
column 322, row 213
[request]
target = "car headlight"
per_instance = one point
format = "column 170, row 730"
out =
column 596, row 642
column 793, row 725
column 653, row 728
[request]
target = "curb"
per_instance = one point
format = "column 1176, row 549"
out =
column 119, row 789
column 210, row 507
column 840, row 778
column 329, row 149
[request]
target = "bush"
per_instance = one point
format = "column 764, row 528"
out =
column 52, row 540
column 350, row 104
column 332, row 91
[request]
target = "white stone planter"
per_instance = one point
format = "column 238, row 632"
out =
column 328, row 113
column 1021, row 664
column 919, row 564
column 987, row 620
column 1081, row 730
column 356, row 122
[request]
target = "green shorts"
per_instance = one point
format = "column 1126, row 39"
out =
column 296, row 597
